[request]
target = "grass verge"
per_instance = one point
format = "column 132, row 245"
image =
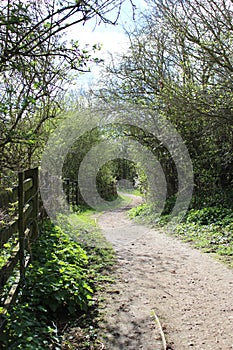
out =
column 58, row 308
column 209, row 229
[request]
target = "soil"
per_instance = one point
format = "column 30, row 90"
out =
column 156, row 274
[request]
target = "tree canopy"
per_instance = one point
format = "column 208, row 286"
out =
column 180, row 64
column 36, row 62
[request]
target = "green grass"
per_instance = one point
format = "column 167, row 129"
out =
column 83, row 225
column 101, row 258
column 66, row 270
column 86, row 214
column 130, row 191
column 122, row 200
column 69, row 265
column 84, row 218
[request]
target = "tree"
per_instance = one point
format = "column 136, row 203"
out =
column 105, row 176
column 180, row 64
column 204, row 33
column 35, row 66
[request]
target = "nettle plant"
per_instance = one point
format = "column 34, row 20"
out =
column 56, row 283
column 58, row 272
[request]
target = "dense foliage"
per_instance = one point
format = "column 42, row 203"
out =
column 37, row 64
column 180, row 65
column 58, row 287
column 106, row 177
column 57, row 282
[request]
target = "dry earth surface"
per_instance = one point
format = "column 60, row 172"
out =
column 189, row 291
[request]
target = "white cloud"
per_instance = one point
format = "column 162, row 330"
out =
column 112, row 38
column 113, row 41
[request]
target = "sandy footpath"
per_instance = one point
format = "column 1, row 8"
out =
column 190, row 292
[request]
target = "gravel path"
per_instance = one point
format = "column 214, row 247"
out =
column 190, row 292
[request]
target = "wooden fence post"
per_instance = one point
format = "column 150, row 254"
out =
column 21, row 223
column 35, row 212
column 76, row 192
column 67, row 189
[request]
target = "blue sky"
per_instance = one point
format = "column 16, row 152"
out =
column 112, row 38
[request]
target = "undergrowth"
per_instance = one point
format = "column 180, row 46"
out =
column 209, row 228
column 58, row 289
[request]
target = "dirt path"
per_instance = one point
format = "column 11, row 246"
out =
column 191, row 293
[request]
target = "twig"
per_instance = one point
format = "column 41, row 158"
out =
column 160, row 329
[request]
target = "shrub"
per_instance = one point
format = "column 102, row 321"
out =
column 209, row 215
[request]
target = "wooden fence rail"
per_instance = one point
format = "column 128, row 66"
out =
column 20, row 231
column 72, row 192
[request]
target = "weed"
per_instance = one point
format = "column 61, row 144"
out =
column 56, row 282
